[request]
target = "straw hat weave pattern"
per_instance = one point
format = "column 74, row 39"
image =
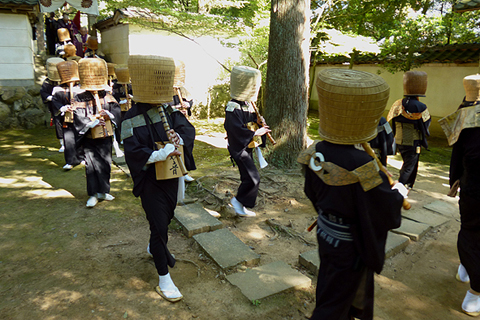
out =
column 415, row 83
column 93, row 74
column 152, row 78
column 245, row 83
column 111, row 69
column 63, row 34
column 472, row 87
column 70, row 50
column 52, row 72
column 68, row 71
column 123, row 76
column 351, row 104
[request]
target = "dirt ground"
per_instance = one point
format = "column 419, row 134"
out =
column 60, row 260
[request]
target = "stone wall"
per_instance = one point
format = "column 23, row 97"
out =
column 21, row 107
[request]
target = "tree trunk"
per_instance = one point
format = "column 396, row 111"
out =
column 286, row 92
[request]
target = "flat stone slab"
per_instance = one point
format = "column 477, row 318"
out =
column 445, row 208
column 412, row 229
column 194, row 219
column 264, row 281
column 310, row 260
column 425, row 216
column 395, row 244
column 223, row 247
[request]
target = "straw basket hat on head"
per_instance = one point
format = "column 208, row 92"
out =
column 245, row 83
column 68, row 71
column 70, row 50
column 179, row 80
column 92, row 43
column 351, row 104
column 472, row 87
column 123, row 76
column 93, row 74
column 52, row 72
column 111, row 68
column 63, row 34
column 415, row 83
column 152, row 78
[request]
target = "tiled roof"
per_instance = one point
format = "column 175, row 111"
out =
column 20, row 2
column 466, row 5
column 456, row 53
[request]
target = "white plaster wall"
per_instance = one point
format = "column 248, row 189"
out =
column 444, row 94
column 16, row 50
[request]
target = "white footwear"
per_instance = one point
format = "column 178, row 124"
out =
column 82, row 162
column 188, row 178
column 167, row 289
column 462, row 274
column 62, row 149
column 471, row 304
column 148, row 250
column 240, row 209
column 67, row 167
column 105, row 196
column 91, row 202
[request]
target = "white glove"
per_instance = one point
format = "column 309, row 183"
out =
column 93, row 124
column 49, row 98
column 64, row 109
column 400, row 187
column 123, row 101
column 161, row 155
column 110, row 115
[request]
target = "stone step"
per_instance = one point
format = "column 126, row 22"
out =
column 223, row 247
column 412, row 229
column 444, row 208
column 395, row 244
column 194, row 219
column 310, row 260
column 425, row 216
column 264, row 281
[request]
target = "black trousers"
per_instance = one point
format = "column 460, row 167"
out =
column 408, row 172
column 73, row 151
column 250, row 179
column 468, row 243
column 159, row 199
column 58, row 123
column 345, row 287
column 98, row 161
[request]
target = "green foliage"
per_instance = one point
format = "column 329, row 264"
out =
column 256, row 303
column 219, row 95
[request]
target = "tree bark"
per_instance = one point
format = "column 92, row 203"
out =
column 287, row 83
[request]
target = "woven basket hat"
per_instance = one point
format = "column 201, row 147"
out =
column 415, row 83
column 70, row 50
column 92, row 43
column 123, row 76
column 245, row 83
column 179, row 80
column 68, row 71
column 152, row 78
column 52, row 72
column 63, row 34
column 111, row 69
column 351, row 104
column 472, row 87
column 93, row 74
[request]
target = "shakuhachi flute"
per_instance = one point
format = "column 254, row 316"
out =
column 99, row 109
column 262, row 119
column 406, row 205
column 166, row 126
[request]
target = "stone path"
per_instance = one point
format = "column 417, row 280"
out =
column 229, row 252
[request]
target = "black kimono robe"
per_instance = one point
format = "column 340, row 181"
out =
column 73, row 151
column 411, row 152
column 45, row 92
column 159, row 197
column 351, row 233
column 237, row 115
column 98, row 152
column 464, row 166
